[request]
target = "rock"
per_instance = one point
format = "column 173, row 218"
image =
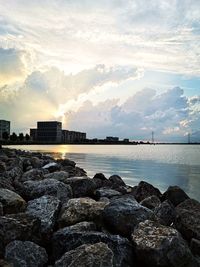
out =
column 81, row 186
column 52, row 167
column 98, row 255
column 45, row 208
column 83, row 226
column 80, row 209
column 26, row 254
column 33, row 175
column 1, row 209
column 175, row 195
column 4, row 263
column 123, row 214
column 11, row 202
column 66, row 162
column 67, row 239
column 116, row 181
column 165, row 212
column 106, row 192
column 36, row 162
column 6, row 182
column 195, row 246
column 144, row 190
column 150, row 202
column 188, row 219
column 2, row 166
column 158, row 245
column 60, row 176
column 18, row 226
column 36, row 189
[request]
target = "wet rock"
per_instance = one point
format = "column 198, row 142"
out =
column 18, row 226
column 106, row 192
column 33, row 175
column 98, row 255
column 165, row 212
column 151, row 202
column 11, row 202
column 188, row 219
column 45, row 208
column 26, row 254
column 144, row 190
column 195, row 246
column 52, row 167
column 81, row 186
column 158, row 245
column 116, row 181
column 80, row 209
column 36, row 189
column 123, row 214
column 67, row 239
column 66, row 162
column 175, row 195
column 60, row 176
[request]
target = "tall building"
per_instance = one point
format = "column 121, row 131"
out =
column 47, row 131
column 4, row 127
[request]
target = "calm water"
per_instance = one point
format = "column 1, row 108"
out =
column 160, row 165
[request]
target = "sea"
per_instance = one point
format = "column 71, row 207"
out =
column 160, row 165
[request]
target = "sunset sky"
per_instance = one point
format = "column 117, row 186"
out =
column 122, row 68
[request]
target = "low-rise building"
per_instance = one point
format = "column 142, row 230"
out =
column 112, row 138
column 4, row 128
column 72, row 136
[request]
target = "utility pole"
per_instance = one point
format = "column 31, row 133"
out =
column 152, row 137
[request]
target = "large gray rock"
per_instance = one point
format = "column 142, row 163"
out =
column 80, row 209
column 106, row 192
column 67, row 239
column 158, row 245
column 123, row 214
column 33, row 175
column 116, row 181
column 11, row 202
column 60, row 176
column 98, row 255
column 188, row 219
column 151, row 202
column 175, row 195
column 45, row 208
column 18, row 226
column 25, row 254
column 144, row 190
column 81, row 186
column 36, row 189
column 52, row 167
column 165, row 212
column 6, row 182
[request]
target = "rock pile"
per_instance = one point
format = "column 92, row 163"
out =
column 52, row 214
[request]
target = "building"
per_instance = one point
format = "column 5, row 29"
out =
column 72, row 136
column 4, row 128
column 47, row 132
column 112, row 139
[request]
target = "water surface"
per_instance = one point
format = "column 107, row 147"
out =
column 160, row 165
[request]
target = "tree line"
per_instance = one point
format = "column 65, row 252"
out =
column 14, row 137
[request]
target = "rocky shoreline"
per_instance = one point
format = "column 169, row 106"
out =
column 52, row 214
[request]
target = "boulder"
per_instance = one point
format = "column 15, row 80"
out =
column 101, row 181
column 81, row 186
column 18, row 226
column 2, row 166
column 83, row 226
column 144, row 190
column 123, row 214
column 33, row 175
column 151, row 202
column 158, row 245
column 36, row 162
column 188, row 219
column 106, row 192
column 116, row 181
column 11, row 202
column 36, row 189
column 60, row 176
column 6, row 182
column 175, row 195
column 80, row 209
column 45, row 208
column 26, row 254
column 66, row 162
column 67, row 239
column 195, row 246
column 166, row 213
column 98, row 255
column 52, row 167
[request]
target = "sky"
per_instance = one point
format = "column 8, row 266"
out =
column 120, row 68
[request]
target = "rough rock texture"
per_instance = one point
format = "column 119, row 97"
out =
column 81, row 186
column 101, row 181
column 188, row 219
column 18, row 226
column 45, row 208
column 33, row 175
column 52, row 167
column 151, row 202
column 106, row 192
column 116, row 181
column 144, row 190
column 67, row 239
column 158, row 245
column 175, row 195
column 25, row 254
column 80, row 209
column 2, row 166
column 195, row 246
column 123, row 214
column 166, row 213
column 60, row 176
column 6, row 182
column 1, row 209
column 11, row 202
column 98, row 255
column 36, row 189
